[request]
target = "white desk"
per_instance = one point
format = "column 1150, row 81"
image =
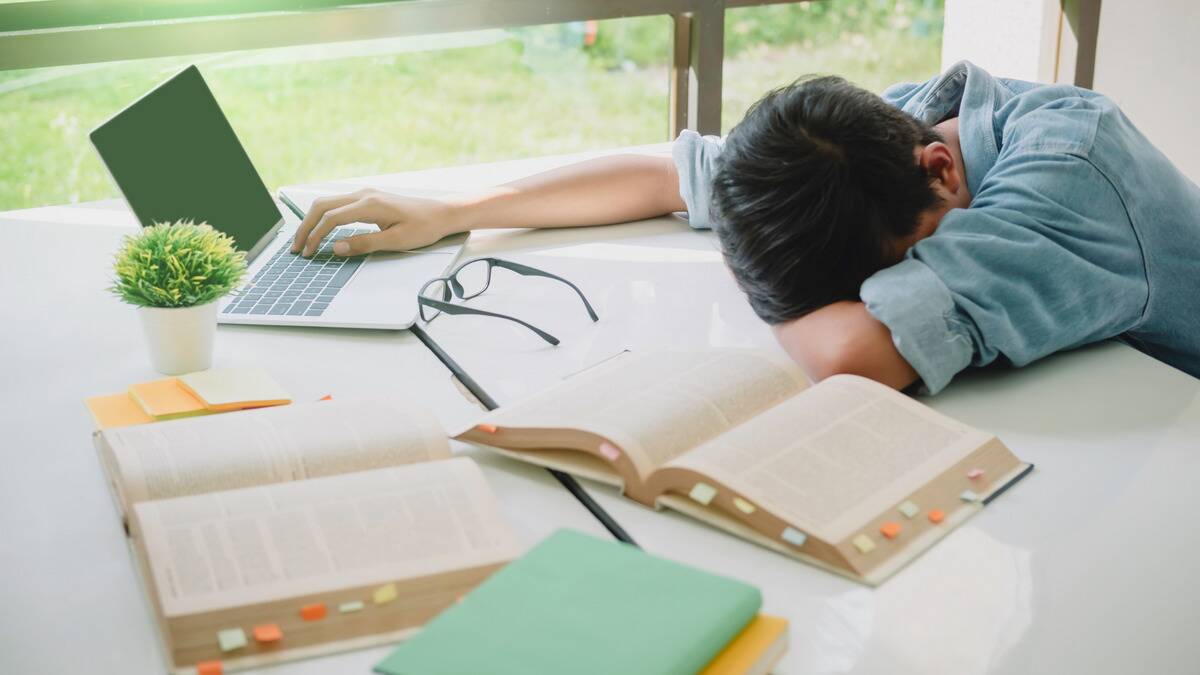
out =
column 1083, row 567
column 1086, row 566
column 69, row 598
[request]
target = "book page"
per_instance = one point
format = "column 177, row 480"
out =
column 252, row 545
column 657, row 405
column 836, row 455
column 271, row 445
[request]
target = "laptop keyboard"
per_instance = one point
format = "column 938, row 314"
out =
column 290, row 285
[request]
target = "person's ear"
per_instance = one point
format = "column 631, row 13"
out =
column 939, row 163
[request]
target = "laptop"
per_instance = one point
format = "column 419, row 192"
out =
column 174, row 156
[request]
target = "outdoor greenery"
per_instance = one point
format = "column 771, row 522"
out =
column 335, row 111
column 179, row 264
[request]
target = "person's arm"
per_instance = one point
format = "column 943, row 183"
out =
column 611, row 189
column 845, row 338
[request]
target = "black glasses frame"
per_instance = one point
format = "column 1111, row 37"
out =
column 452, row 288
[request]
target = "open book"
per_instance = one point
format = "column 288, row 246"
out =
column 288, row 532
column 847, row 474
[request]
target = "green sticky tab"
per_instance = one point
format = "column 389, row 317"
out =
column 794, row 537
column 231, row 639
column 909, row 509
column 586, row 606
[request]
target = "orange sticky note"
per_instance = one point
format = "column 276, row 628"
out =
column 166, row 399
column 936, row 516
column 313, row 612
column 890, row 530
column 208, row 668
column 326, row 397
column 268, row 632
column 487, row 428
column 116, row 410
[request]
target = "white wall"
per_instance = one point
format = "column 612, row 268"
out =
column 1147, row 58
column 1007, row 38
column 1148, row 61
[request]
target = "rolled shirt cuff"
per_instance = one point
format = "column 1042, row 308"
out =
column 926, row 328
column 693, row 155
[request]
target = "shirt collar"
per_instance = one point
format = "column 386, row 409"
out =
column 975, row 95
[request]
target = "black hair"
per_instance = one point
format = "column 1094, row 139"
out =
column 813, row 189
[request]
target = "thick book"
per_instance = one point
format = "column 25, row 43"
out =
column 587, row 606
column 281, row 533
column 847, row 474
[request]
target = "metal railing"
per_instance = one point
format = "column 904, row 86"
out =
column 66, row 32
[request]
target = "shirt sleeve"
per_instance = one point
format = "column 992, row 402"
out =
column 695, row 159
column 1044, row 260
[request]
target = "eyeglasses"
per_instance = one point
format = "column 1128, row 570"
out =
column 472, row 278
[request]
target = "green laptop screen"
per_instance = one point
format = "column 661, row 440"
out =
column 174, row 156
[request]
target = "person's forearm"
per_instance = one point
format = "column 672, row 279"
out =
column 605, row 190
column 845, row 338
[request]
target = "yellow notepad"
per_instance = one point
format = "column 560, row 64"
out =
column 115, row 410
column 755, row 650
column 235, row 388
column 166, row 399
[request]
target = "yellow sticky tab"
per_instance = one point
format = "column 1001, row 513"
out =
column 703, row 493
column 744, row 506
column 863, row 543
column 384, row 594
column 166, row 399
column 231, row 639
column 908, row 509
column 350, row 607
column 235, row 388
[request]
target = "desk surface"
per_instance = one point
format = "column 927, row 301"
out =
column 1084, row 567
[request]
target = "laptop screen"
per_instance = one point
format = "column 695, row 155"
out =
column 174, row 156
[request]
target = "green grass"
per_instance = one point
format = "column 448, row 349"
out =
column 538, row 92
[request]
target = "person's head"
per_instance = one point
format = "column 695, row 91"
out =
column 822, row 185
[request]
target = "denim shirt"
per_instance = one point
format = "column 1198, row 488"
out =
column 1078, row 230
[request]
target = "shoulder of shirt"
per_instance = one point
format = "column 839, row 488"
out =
column 1055, row 119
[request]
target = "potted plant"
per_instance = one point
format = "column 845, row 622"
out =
column 175, row 274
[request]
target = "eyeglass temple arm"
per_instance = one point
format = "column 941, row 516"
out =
column 528, row 271
column 461, row 309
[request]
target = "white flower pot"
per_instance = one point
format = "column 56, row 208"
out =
column 180, row 338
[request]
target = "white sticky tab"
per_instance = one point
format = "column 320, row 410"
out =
column 703, row 493
column 231, row 639
column 908, row 509
column 969, row 496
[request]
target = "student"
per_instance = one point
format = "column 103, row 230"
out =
column 957, row 222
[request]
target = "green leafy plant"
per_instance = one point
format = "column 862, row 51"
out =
column 180, row 264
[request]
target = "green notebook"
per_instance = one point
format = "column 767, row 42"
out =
column 581, row 605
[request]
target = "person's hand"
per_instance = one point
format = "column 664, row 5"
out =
column 404, row 222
